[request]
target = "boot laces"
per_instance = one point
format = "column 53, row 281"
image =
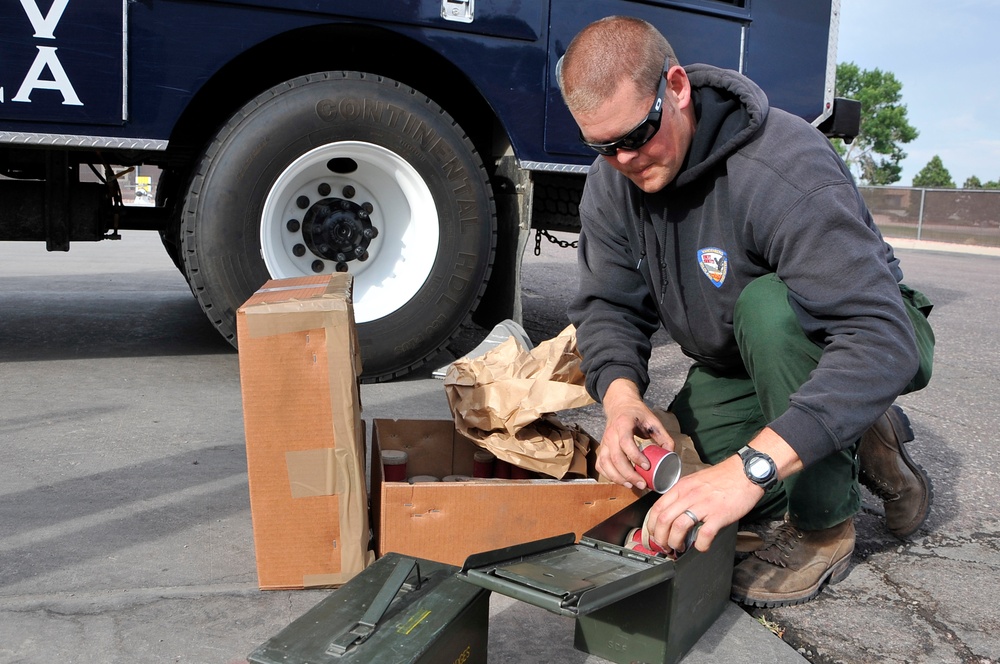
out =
column 879, row 487
column 780, row 548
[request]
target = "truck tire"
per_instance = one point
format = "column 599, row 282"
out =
column 345, row 171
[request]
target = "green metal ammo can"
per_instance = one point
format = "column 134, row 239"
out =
column 400, row 610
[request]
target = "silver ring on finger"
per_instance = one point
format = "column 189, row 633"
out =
column 691, row 515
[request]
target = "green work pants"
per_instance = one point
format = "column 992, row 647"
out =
column 723, row 412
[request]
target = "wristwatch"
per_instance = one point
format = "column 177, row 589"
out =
column 759, row 467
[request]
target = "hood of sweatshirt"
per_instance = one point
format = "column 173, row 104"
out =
column 729, row 109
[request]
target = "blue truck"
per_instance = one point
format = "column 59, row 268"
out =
column 414, row 143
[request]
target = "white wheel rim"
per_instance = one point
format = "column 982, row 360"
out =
column 400, row 257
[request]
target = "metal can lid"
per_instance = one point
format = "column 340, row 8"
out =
column 394, row 457
column 483, row 456
column 456, row 478
column 423, row 478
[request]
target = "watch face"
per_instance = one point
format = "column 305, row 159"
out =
column 759, row 468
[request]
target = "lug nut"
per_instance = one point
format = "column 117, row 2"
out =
column 340, row 258
column 324, row 189
column 293, row 225
column 318, row 266
column 363, row 256
column 370, row 233
column 302, row 202
column 349, row 191
column 299, row 250
column 368, row 207
column 341, row 267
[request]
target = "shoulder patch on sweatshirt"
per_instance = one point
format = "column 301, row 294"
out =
column 714, row 263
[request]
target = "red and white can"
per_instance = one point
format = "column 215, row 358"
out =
column 664, row 468
column 417, row 479
column 501, row 469
column 394, row 465
column 483, row 462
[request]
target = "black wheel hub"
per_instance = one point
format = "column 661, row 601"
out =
column 339, row 230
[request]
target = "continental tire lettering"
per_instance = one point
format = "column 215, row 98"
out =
column 373, row 111
column 454, row 170
column 468, row 213
column 464, row 189
column 376, row 111
column 393, row 116
column 442, row 151
column 326, row 109
column 418, row 130
column 350, row 108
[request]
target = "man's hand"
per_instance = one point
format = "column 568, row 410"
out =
column 716, row 496
column 627, row 416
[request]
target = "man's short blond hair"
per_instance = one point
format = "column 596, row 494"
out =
column 608, row 52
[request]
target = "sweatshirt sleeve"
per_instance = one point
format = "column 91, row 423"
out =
column 846, row 295
column 612, row 310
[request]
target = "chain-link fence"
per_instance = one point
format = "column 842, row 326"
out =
column 961, row 216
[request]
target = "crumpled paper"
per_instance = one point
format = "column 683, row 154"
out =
column 503, row 401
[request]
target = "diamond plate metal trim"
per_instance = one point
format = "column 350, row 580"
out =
column 71, row 141
column 554, row 168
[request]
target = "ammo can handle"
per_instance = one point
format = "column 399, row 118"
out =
column 365, row 627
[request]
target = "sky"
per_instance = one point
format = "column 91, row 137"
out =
column 946, row 53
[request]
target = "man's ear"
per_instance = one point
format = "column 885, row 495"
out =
column 679, row 84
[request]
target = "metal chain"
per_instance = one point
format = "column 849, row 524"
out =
column 565, row 244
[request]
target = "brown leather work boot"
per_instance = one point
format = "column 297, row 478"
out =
column 793, row 565
column 888, row 472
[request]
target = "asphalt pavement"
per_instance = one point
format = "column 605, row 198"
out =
column 125, row 529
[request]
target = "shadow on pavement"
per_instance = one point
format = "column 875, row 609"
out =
column 97, row 315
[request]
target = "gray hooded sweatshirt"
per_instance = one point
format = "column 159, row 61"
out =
column 761, row 191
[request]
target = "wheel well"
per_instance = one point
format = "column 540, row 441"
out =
column 358, row 48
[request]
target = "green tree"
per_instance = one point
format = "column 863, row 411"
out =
column 934, row 175
column 974, row 182
column 875, row 155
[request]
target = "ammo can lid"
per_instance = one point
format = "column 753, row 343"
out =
column 566, row 578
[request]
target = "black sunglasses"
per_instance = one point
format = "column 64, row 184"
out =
column 642, row 132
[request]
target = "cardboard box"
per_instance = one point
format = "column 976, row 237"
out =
column 449, row 521
column 299, row 367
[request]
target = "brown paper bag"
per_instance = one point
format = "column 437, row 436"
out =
column 503, row 401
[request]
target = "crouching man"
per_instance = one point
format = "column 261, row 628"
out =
column 739, row 229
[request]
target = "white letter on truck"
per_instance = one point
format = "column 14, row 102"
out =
column 47, row 58
column 45, row 26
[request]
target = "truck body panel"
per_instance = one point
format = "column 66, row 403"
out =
column 114, row 70
column 383, row 135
